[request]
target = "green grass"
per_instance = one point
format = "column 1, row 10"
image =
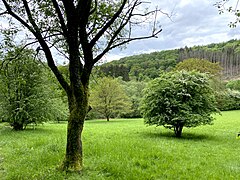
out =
column 125, row 149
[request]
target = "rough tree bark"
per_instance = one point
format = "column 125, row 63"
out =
column 78, row 109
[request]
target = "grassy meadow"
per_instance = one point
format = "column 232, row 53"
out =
column 125, row 149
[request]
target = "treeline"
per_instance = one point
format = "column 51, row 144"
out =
column 140, row 67
column 148, row 66
column 227, row 54
column 30, row 94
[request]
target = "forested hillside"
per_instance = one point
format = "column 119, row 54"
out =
column 144, row 66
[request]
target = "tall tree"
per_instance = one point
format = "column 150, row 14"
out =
column 109, row 98
column 83, row 31
column 26, row 97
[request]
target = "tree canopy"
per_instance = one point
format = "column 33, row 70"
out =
column 26, row 96
column 179, row 99
column 147, row 66
column 200, row 65
column 109, row 98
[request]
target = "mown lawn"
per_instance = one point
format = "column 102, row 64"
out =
column 125, row 149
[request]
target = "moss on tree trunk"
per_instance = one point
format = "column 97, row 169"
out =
column 78, row 110
column 73, row 158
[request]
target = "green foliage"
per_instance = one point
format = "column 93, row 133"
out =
column 140, row 67
column 148, row 66
column 227, row 95
column 27, row 96
column 228, row 100
column 118, row 70
column 109, row 98
column 200, row 65
column 134, row 90
column 179, row 99
column 82, row 32
column 233, row 85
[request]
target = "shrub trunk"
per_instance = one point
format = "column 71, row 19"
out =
column 17, row 126
column 178, row 130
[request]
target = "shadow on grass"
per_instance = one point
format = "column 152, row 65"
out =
column 171, row 135
column 39, row 129
column 57, row 122
column 104, row 121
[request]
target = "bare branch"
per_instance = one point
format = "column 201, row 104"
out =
column 221, row 5
column 3, row 13
column 113, row 42
column 110, row 46
column 108, row 24
column 59, row 51
column 18, row 18
column 236, row 6
column 36, row 32
column 61, row 18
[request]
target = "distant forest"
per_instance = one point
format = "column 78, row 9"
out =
column 149, row 66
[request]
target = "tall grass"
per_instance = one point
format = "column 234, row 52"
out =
column 126, row 149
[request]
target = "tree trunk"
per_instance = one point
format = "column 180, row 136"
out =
column 17, row 126
column 78, row 106
column 73, row 158
column 107, row 118
column 178, row 130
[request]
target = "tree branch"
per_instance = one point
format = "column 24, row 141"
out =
column 83, row 12
column 18, row 18
column 30, row 18
column 61, row 18
column 111, row 46
column 108, row 24
column 69, row 8
column 36, row 32
column 125, row 21
column 2, row 13
column 95, row 7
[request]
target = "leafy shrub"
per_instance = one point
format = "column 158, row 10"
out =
column 179, row 99
column 228, row 100
column 234, row 85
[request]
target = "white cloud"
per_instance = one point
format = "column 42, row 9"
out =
column 185, row 3
column 194, row 23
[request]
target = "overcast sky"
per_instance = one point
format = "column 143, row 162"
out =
column 194, row 22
